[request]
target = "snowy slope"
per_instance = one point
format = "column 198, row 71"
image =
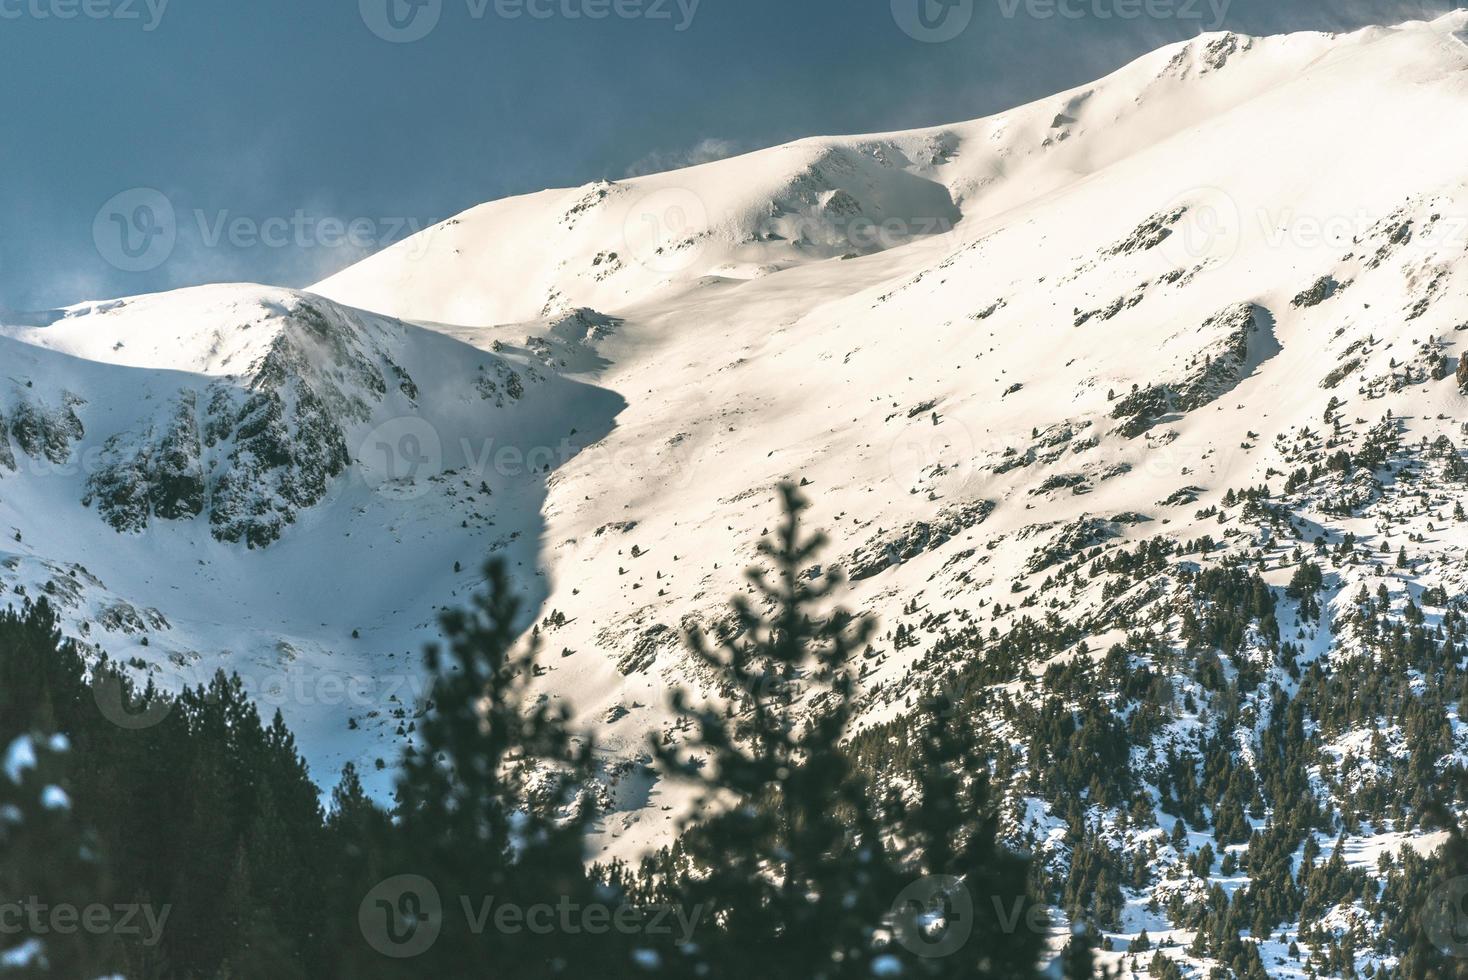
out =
column 243, row 477
column 996, row 350
column 1105, row 236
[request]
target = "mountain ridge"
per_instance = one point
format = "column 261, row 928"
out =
column 1171, row 364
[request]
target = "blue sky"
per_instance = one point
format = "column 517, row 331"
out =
column 289, row 137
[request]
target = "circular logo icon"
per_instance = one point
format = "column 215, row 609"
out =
column 1211, row 227
column 124, row 707
column 1444, row 918
column 678, row 462
column 664, row 229
column 933, row 21
column 400, row 21
column 135, row 231
column 402, row 916
column 927, row 449
column 934, row 916
column 400, row 455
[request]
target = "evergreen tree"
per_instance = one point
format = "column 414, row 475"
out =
column 491, row 807
column 798, row 872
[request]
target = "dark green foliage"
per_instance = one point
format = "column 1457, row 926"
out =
column 804, row 866
column 208, row 812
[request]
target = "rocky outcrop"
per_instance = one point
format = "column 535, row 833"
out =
column 250, row 456
column 887, row 549
column 284, row 456
column 1073, row 539
column 7, row 455
column 1210, row 373
column 501, row 384
column 1462, row 374
column 1149, row 234
column 1321, row 290
column 162, row 476
column 47, row 433
column 645, row 649
column 123, row 617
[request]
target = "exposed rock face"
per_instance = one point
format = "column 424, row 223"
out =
column 163, row 476
column 46, row 433
column 1463, row 372
column 177, row 484
column 123, row 617
column 1211, row 372
column 1340, row 372
column 504, row 384
column 7, row 455
column 1321, row 290
column 1073, row 539
column 249, row 456
column 644, row 652
column 1149, row 234
column 885, row 550
column 284, row 456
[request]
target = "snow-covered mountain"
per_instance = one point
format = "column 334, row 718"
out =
column 999, row 354
column 264, row 481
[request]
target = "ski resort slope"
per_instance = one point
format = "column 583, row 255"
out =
column 991, row 352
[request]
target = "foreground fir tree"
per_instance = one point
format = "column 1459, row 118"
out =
column 800, row 867
column 201, row 823
column 794, row 867
column 47, row 862
column 493, row 812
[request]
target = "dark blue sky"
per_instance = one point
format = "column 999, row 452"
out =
column 257, row 119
